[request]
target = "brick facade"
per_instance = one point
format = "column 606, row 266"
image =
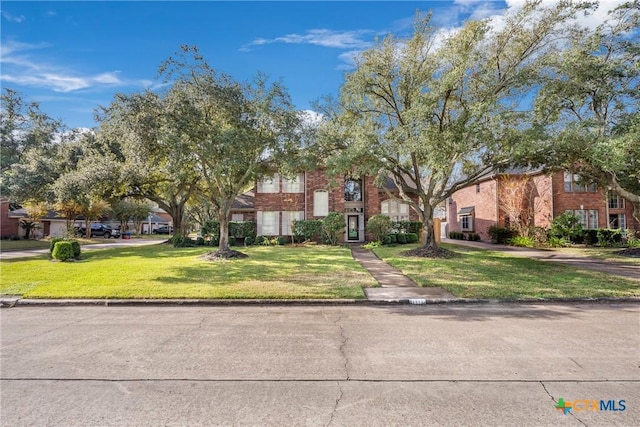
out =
column 9, row 227
column 546, row 198
column 356, row 212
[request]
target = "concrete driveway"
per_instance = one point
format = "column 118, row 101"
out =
column 109, row 243
column 390, row 365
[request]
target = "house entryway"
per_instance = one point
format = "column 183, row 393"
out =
column 353, row 228
column 394, row 284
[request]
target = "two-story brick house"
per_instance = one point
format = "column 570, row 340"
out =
column 310, row 195
column 484, row 203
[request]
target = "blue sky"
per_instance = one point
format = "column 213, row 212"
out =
column 74, row 56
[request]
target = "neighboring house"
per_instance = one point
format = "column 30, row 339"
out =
column 535, row 198
column 9, row 224
column 312, row 195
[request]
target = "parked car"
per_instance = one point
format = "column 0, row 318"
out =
column 163, row 229
column 99, row 229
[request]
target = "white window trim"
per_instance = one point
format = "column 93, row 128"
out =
column 272, row 216
column 397, row 210
column 295, row 185
column 287, row 218
column 269, row 185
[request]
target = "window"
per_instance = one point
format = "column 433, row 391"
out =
column 397, row 210
column 467, row 223
column 587, row 218
column 616, row 202
column 352, row 190
column 617, row 221
column 269, row 185
column 573, row 183
column 287, row 221
column 293, row 185
column 320, row 203
column 268, row 224
column 237, row 217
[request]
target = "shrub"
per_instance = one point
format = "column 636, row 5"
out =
column 607, row 237
column 181, row 241
column 211, row 229
column 558, row 242
column 242, row 229
column 248, row 241
column 53, row 242
column 633, row 241
column 310, row 229
column 281, row 240
column 456, row 235
column 402, row 238
column 75, row 247
column 379, row 226
column 526, row 242
column 62, row 250
column 501, row 235
column 232, row 241
column 590, row 237
column 332, row 227
column 259, row 240
column 567, row 226
column 200, row 241
column 473, row 237
column 412, row 238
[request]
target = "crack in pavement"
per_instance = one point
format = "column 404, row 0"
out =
column 555, row 401
column 335, row 407
column 343, row 345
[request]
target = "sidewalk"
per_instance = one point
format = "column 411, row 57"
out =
column 394, row 286
column 578, row 261
column 116, row 243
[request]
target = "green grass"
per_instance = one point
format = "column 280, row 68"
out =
column 487, row 274
column 19, row 245
column 608, row 254
column 161, row 271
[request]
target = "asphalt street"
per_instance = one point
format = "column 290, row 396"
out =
column 462, row 364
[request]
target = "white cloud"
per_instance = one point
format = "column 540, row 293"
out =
column 20, row 65
column 13, row 18
column 319, row 37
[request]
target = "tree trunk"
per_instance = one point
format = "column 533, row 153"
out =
column 177, row 216
column 429, row 238
column 223, row 218
column 87, row 228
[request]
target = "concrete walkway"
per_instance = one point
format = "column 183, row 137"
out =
column 115, row 243
column 622, row 269
column 395, row 286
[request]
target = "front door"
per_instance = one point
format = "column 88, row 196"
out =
column 353, row 227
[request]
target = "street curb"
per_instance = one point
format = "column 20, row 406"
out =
column 20, row 302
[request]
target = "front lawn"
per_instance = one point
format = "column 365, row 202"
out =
column 161, row 271
column 486, row 274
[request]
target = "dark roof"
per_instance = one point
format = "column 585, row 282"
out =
column 467, row 211
column 245, row 201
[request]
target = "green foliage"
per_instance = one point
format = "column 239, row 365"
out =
column 372, row 245
column 590, row 237
column 390, row 239
column 75, row 246
column 282, row 240
column 242, row 229
column 523, row 241
column 558, row 242
column 567, row 226
column 633, row 241
column 401, row 238
column 501, row 235
column 456, row 235
column 379, row 226
column 53, row 241
column 310, row 230
column 260, row 240
column 406, row 227
column 199, row 241
column 248, row 241
column 607, row 237
column 232, row 241
column 412, row 237
column 182, row 241
column 473, row 237
column 332, row 227
column 62, row 250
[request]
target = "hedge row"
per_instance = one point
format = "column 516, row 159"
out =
column 66, row 248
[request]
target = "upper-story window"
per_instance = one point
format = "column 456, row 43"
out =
column 352, row 190
column 616, row 202
column 269, row 185
column 574, row 184
column 293, row 185
column 320, row 203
